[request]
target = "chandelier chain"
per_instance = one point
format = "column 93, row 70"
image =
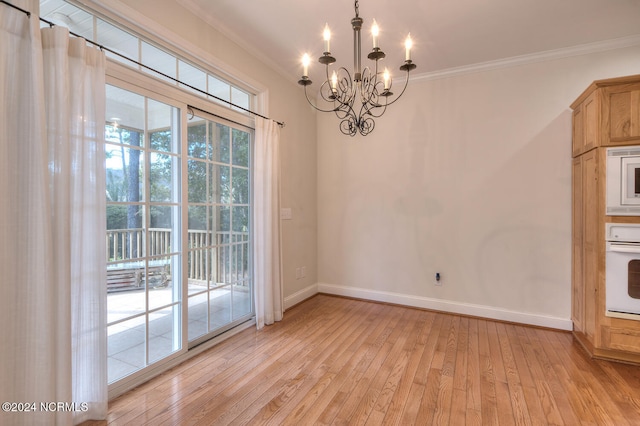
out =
column 357, row 7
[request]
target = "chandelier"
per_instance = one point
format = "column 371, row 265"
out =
column 357, row 100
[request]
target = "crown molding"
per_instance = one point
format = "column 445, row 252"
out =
column 548, row 55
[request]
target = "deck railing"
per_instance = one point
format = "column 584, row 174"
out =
column 222, row 260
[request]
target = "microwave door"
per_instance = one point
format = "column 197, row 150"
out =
column 630, row 193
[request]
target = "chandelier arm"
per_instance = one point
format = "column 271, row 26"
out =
column 347, row 111
column 406, row 83
column 365, row 86
column 327, row 97
column 381, row 107
column 314, row 106
column 347, row 87
column 344, row 111
column 344, row 96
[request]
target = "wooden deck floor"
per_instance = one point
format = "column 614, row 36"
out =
column 342, row 361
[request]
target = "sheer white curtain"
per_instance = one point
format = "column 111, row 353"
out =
column 266, row 223
column 52, row 223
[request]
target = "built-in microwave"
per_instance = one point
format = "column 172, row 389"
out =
column 623, row 181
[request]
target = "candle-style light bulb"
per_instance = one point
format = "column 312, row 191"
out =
column 375, row 31
column 387, row 79
column 334, row 82
column 407, row 45
column 327, row 38
column 306, row 60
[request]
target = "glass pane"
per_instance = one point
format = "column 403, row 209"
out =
column 241, row 299
column 198, row 315
column 240, row 261
column 125, row 110
column 220, row 141
column 117, row 40
column 197, row 138
column 161, row 176
column 239, row 98
column 220, row 184
column 219, row 89
column 164, row 333
column 125, row 169
column 197, row 268
column 197, row 180
column 160, row 140
column 125, row 235
column 219, row 307
column 126, row 348
column 159, row 61
column 223, row 265
column 240, row 186
column 120, row 135
column 125, row 287
column 197, row 226
column 160, row 123
column 220, row 218
column 240, row 148
column 217, row 267
column 158, row 279
column 193, row 77
column 163, row 221
column 67, row 15
column 240, row 219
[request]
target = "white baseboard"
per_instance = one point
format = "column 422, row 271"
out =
column 448, row 306
column 300, row 296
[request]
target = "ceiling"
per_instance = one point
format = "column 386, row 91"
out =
column 446, row 34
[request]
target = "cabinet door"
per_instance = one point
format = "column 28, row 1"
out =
column 622, row 107
column 578, row 131
column 590, row 227
column 585, row 125
column 591, row 122
column 577, row 287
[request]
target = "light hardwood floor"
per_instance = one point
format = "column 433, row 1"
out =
column 341, row 361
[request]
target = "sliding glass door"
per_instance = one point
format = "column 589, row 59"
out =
column 144, row 279
column 219, row 291
column 178, row 228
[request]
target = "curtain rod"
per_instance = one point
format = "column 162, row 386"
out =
column 190, row 109
column 102, row 47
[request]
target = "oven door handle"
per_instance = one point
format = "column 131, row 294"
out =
column 623, row 248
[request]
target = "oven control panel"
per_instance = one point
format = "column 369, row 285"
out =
column 624, row 232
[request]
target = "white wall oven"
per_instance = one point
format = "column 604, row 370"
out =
column 623, row 181
column 623, row 270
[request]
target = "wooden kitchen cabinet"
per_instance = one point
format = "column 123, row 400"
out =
column 585, row 242
column 622, row 113
column 585, row 117
column 606, row 114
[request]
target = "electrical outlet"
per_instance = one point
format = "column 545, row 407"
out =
column 438, row 279
column 286, row 214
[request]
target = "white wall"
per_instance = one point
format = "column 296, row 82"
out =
column 469, row 176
